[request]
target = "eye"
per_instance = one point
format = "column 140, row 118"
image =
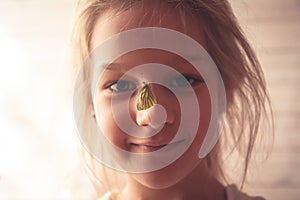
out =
column 185, row 81
column 122, row 86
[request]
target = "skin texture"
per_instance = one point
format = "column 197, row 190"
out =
column 188, row 177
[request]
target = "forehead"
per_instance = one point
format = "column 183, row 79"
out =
column 148, row 14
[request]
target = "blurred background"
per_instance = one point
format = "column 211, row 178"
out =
column 38, row 142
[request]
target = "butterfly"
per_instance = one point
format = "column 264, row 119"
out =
column 146, row 98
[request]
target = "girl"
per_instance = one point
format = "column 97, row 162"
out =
column 153, row 100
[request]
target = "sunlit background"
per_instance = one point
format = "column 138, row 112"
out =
column 38, row 142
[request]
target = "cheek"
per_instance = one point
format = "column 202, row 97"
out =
column 204, row 103
column 205, row 109
column 108, row 125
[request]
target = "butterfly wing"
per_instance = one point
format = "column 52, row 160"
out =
column 146, row 98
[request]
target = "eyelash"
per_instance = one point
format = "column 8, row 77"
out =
column 192, row 80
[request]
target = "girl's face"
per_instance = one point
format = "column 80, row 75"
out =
column 151, row 16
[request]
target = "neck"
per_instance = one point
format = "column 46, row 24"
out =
column 199, row 184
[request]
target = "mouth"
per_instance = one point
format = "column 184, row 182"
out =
column 145, row 148
column 150, row 147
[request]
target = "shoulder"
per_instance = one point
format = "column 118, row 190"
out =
column 234, row 194
column 106, row 196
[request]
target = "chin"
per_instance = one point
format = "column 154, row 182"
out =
column 164, row 178
column 157, row 182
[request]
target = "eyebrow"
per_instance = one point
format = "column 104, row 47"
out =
column 116, row 66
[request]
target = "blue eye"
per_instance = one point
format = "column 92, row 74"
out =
column 122, row 86
column 184, row 81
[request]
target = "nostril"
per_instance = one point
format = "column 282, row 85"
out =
column 143, row 118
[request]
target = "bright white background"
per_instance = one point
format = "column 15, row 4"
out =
column 37, row 137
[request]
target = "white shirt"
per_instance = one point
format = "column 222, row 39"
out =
column 232, row 193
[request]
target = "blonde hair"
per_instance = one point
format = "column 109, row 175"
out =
column 248, row 104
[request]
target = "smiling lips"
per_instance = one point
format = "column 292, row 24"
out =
column 150, row 147
column 147, row 147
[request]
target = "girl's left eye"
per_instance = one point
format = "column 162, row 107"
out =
column 184, row 81
column 122, row 86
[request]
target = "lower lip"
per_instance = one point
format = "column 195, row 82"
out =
column 146, row 149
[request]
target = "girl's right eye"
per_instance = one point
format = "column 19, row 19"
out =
column 122, row 86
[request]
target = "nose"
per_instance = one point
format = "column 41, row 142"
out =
column 159, row 114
